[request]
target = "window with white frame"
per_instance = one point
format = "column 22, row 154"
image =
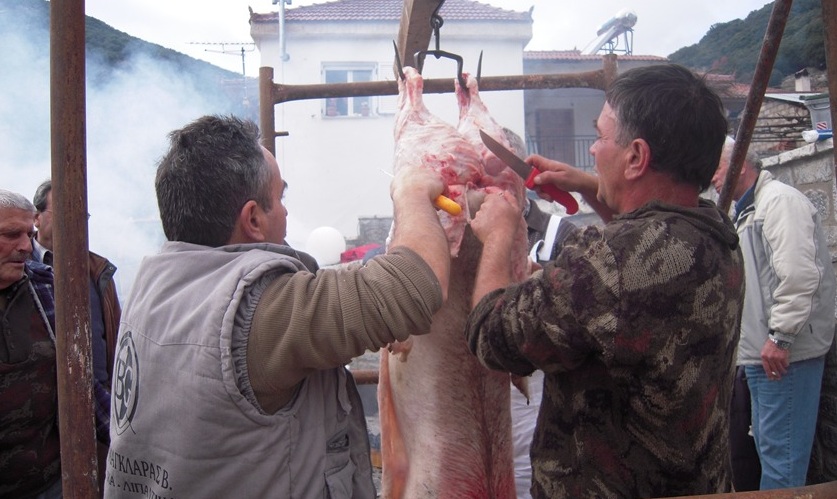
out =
column 348, row 73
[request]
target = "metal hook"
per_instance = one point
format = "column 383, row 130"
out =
column 479, row 68
column 436, row 23
column 398, row 62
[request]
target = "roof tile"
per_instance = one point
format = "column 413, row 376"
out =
column 391, row 10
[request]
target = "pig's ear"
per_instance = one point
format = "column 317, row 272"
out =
column 250, row 225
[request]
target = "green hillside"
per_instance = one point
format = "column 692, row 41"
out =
column 734, row 47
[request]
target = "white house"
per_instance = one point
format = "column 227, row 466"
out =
column 337, row 150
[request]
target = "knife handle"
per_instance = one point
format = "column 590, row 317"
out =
column 559, row 195
column 447, row 204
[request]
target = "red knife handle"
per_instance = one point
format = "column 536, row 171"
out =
column 559, row 195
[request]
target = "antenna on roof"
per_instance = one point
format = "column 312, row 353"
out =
column 250, row 47
column 608, row 34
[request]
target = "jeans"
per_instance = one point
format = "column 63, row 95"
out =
column 784, row 420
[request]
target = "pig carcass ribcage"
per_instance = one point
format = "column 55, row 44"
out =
column 445, row 420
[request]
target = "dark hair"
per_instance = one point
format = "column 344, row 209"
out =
column 41, row 193
column 213, row 167
column 677, row 114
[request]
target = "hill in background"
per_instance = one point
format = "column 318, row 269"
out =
column 111, row 52
column 734, row 47
column 136, row 93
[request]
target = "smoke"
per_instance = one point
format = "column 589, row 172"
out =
column 130, row 110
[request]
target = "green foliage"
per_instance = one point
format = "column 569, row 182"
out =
column 734, row 47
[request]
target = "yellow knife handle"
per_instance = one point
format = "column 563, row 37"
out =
column 447, row 204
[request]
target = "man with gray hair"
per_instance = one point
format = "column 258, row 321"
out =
column 787, row 324
column 30, row 462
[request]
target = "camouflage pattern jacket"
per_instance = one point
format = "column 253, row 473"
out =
column 635, row 325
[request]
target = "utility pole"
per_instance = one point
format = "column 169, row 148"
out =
column 225, row 48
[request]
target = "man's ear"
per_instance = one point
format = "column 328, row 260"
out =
column 639, row 159
column 251, row 222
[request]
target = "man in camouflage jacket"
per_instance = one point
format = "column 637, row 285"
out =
column 634, row 323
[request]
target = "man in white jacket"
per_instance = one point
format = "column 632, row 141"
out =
column 787, row 325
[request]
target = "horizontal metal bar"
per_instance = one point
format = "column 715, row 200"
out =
column 590, row 79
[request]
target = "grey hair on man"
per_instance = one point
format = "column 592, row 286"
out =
column 751, row 158
column 15, row 201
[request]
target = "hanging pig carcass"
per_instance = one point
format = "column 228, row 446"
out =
column 445, row 420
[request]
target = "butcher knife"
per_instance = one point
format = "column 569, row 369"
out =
column 528, row 173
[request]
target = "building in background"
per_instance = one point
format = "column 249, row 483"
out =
column 560, row 122
column 336, row 148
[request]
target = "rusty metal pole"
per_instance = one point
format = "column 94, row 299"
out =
column 267, row 112
column 829, row 19
column 69, row 198
column 610, row 66
column 279, row 93
column 769, row 48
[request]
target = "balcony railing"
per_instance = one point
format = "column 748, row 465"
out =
column 573, row 150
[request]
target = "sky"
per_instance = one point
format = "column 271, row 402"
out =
column 216, row 30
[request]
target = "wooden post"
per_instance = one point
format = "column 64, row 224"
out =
column 767, row 56
column 829, row 20
column 267, row 113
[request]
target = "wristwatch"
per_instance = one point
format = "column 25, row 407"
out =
column 782, row 344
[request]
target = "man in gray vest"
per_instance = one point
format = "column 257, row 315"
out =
column 229, row 378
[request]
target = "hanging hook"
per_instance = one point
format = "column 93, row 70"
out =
column 436, row 23
column 398, row 64
column 479, row 68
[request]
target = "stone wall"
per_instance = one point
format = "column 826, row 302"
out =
column 779, row 127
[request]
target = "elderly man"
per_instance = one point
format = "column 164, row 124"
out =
column 30, row 461
column 788, row 321
column 634, row 323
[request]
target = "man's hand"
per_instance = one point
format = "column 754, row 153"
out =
column 416, row 181
column 563, row 176
column 774, row 360
column 495, row 225
column 570, row 179
column 497, row 218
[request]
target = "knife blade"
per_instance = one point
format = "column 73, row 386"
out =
column 528, row 173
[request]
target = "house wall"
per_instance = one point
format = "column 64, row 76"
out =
column 333, row 164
